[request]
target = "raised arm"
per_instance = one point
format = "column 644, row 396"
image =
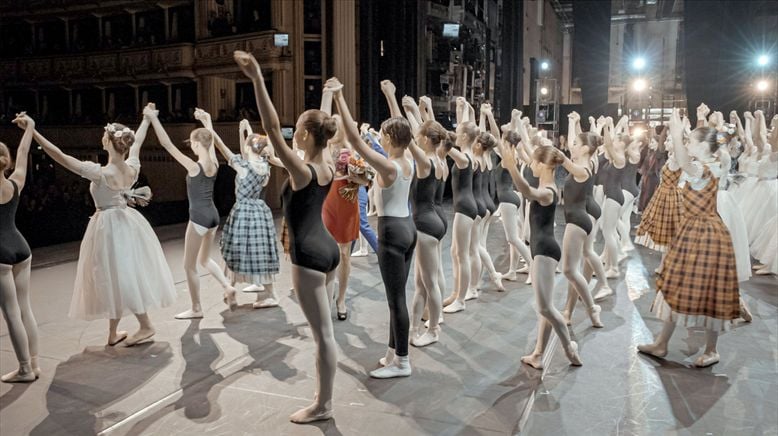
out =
column 298, row 172
column 205, row 118
column 702, row 114
column 662, row 138
column 19, row 176
column 326, row 102
column 69, row 162
column 748, row 136
column 525, row 146
column 542, row 196
column 385, row 169
column 760, row 131
column 389, row 90
column 681, row 153
column 412, row 113
column 482, row 119
column 493, row 127
column 572, row 122
column 167, row 144
column 140, row 136
column 425, row 105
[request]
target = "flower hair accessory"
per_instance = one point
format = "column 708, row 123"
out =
column 111, row 129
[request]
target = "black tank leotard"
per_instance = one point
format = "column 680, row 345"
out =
column 478, row 192
column 541, row 222
column 462, row 186
column 488, row 179
column 199, row 190
column 425, row 216
column 310, row 244
column 598, row 177
column 13, row 247
column 529, row 176
column 505, row 189
column 629, row 181
column 611, row 182
column 576, row 195
column 440, row 190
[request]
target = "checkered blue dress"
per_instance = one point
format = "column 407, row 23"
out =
column 248, row 242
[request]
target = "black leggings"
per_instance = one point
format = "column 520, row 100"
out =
column 396, row 241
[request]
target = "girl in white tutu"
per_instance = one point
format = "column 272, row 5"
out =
column 121, row 267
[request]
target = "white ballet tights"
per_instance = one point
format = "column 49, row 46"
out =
column 311, row 289
column 593, row 264
column 16, row 308
column 476, row 265
column 543, row 271
column 462, row 228
column 610, row 220
column 197, row 252
column 426, row 274
column 343, row 272
column 625, row 222
column 573, row 243
column 486, row 258
column 510, row 223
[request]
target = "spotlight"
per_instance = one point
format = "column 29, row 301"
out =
column 638, row 132
column 544, row 90
column 639, row 85
column 639, row 63
column 544, row 65
column 762, row 85
column 763, row 60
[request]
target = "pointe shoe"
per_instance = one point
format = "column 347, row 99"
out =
column 471, row 294
column 310, row 414
column 399, row 367
column 19, row 377
column 429, row 337
column 230, row 299
column 604, row 292
column 387, row 359
column 456, row 306
column 497, row 281
column 534, row 360
column 745, row 313
column 141, row 337
column 190, row 314
column 264, row 304
column 653, row 350
column 707, row 359
column 572, row 354
column 510, row 276
column 120, row 336
column 594, row 316
column 612, row 273
column 253, row 288
column 523, row 270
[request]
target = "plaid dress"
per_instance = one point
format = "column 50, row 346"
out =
column 248, row 242
column 698, row 286
column 661, row 219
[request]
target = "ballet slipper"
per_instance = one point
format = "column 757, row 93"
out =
column 707, row 359
column 19, row 376
column 400, row 366
column 140, row 337
column 388, row 358
column 120, row 336
column 497, row 282
column 594, row 316
column 604, row 292
column 745, row 313
column 757, row 266
column 359, row 253
column 190, row 314
column 456, row 306
column 612, row 273
column 448, row 300
column 230, row 299
column 656, row 350
column 427, row 323
column 311, row 413
column 510, row 276
column 471, row 294
column 571, row 351
column 534, row 360
column 529, row 280
column 523, row 270
column 763, row 272
column 263, row 304
column 35, row 367
column 253, row 288
column 429, row 337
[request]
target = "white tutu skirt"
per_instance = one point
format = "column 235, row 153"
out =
column 729, row 212
column 760, row 206
column 765, row 248
column 741, row 192
column 121, row 268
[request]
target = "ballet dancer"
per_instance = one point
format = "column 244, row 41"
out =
column 248, row 243
column 15, row 261
column 203, row 215
column 121, row 266
column 614, row 144
column 313, row 252
column 545, row 250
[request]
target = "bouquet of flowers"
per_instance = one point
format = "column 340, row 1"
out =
column 358, row 172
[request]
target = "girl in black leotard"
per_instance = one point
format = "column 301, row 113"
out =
column 314, row 253
column 545, row 250
column 465, row 211
column 611, row 178
column 509, row 208
column 396, row 230
column 629, row 187
column 15, row 261
column 203, row 216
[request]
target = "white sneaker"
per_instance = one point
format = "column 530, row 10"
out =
column 399, row 367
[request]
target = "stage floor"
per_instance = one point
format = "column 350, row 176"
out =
column 245, row 372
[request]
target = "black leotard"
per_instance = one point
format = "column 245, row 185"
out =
column 488, row 191
column 541, row 222
column 599, row 175
column 529, row 176
column 439, row 191
column 425, row 216
column 478, row 191
column 462, row 186
column 13, row 247
column 199, row 190
column 505, row 189
column 592, row 208
column 576, row 195
column 629, row 180
column 611, row 182
column 310, row 244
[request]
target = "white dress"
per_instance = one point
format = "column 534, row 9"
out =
column 761, row 204
column 121, row 266
column 748, row 169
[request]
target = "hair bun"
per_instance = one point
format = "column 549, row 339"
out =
column 329, row 127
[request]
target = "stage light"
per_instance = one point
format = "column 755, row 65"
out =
column 763, row 60
column 544, row 90
column 638, row 132
column 762, row 85
column 639, row 85
column 639, row 63
column 544, row 65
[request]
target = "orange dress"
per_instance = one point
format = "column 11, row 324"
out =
column 340, row 216
column 662, row 217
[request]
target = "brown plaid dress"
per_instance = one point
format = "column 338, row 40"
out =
column 661, row 219
column 699, row 279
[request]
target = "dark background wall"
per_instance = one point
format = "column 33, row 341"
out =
column 591, row 53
